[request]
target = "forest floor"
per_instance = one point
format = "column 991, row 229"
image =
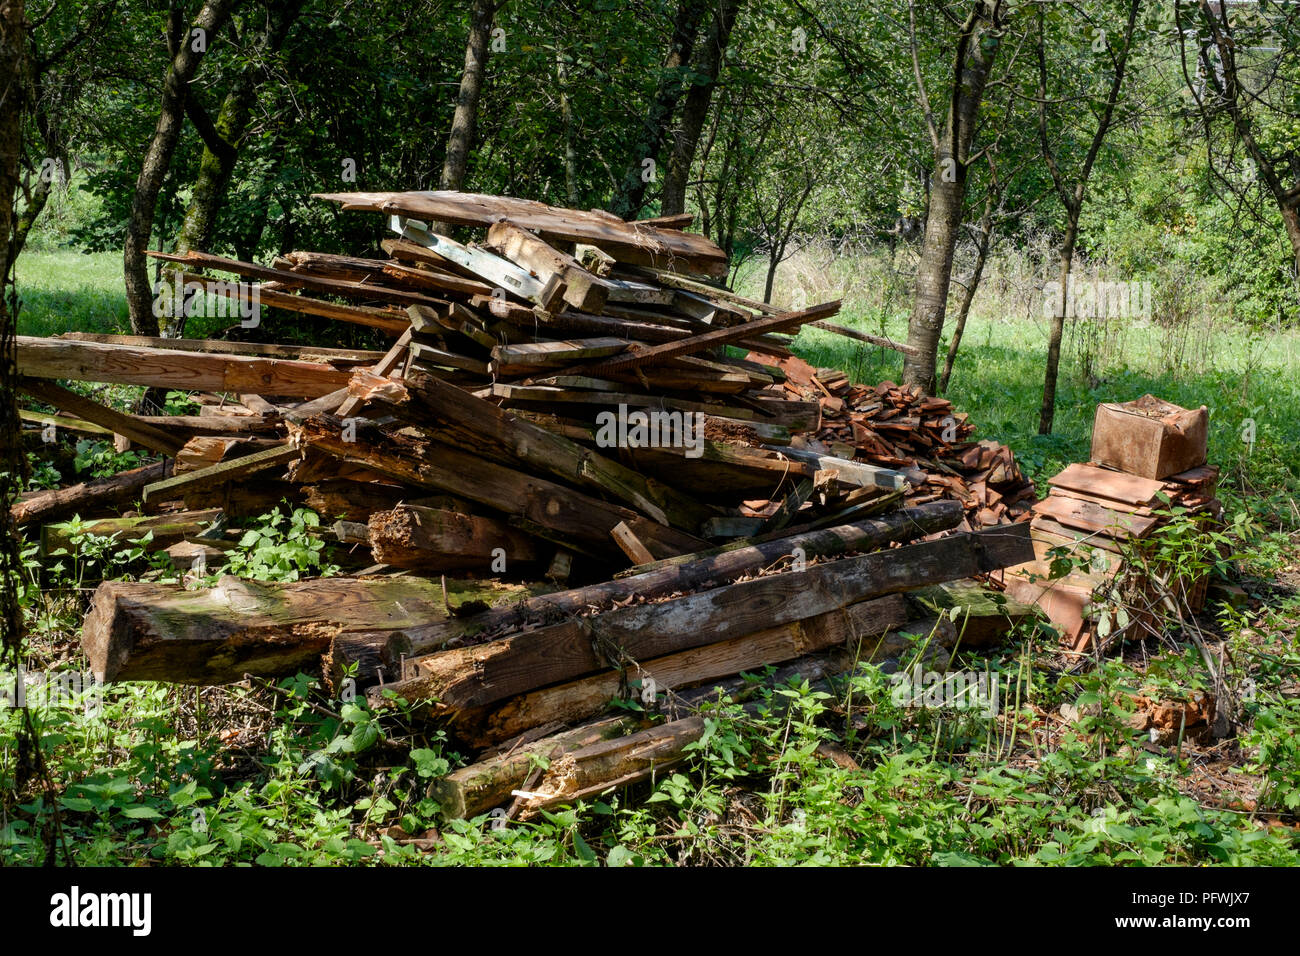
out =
column 1059, row 775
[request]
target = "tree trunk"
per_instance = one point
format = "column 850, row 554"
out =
column 1072, row 201
column 1048, row 409
column 157, row 159
column 696, row 108
column 630, row 195
column 12, row 460
column 465, row 118
column 566, row 119
column 968, row 294
column 976, row 49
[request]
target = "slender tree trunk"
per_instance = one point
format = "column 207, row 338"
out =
column 1047, row 412
column 37, row 198
column 696, row 108
column 465, row 119
column 976, row 49
column 630, row 195
column 1072, row 200
column 157, row 160
column 566, row 119
column 968, row 294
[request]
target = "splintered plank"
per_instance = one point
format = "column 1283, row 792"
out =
column 221, row 473
column 1114, row 485
column 339, row 287
column 656, row 354
column 381, row 319
column 627, row 241
column 385, row 366
column 155, row 439
column 168, row 368
column 482, row 675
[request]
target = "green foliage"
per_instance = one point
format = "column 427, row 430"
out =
column 99, row 459
column 280, row 547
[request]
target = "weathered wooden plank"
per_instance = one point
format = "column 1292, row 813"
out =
column 89, row 497
column 151, row 437
column 688, row 573
column 629, row 242
column 167, row 368
column 309, row 353
column 850, row 472
column 536, row 505
column 582, row 289
column 725, row 336
column 166, row 529
column 221, row 473
column 556, row 454
column 251, row 270
column 382, row 319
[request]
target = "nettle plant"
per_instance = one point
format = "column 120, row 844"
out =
column 281, row 547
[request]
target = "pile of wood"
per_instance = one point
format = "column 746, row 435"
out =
column 631, row 481
column 1098, row 517
column 921, row 436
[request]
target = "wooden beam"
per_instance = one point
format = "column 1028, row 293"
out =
column 583, row 698
column 151, row 437
column 381, row 319
column 478, row 676
column 536, row 505
column 555, row 454
column 435, row 539
column 709, row 568
column 221, row 473
column 697, row 343
column 144, row 631
column 582, row 289
column 168, row 368
column 89, row 497
column 251, row 270
column 266, row 350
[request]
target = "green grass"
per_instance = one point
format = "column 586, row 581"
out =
column 63, row 290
